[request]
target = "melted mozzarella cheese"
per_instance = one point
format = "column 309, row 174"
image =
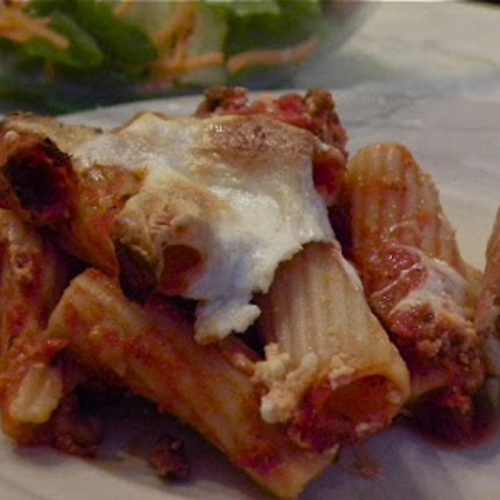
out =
column 445, row 290
column 238, row 190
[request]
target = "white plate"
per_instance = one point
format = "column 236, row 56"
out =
column 458, row 142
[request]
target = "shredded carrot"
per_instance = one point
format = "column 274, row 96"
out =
column 178, row 35
column 204, row 61
column 17, row 26
column 273, row 57
column 190, row 63
column 180, row 51
column 181, row 27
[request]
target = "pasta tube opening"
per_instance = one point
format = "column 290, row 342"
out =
column 41, row 177
column 331, row 371
column 331, row 417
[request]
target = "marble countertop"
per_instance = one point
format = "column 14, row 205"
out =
column 422, row 48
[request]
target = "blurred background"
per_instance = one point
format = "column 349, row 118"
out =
column 58, row 56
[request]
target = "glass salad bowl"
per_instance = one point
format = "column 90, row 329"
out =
column 63, row 55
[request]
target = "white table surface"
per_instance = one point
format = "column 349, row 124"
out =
column 420, row 48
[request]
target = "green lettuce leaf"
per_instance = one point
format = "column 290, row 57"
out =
column 42, row 8
column 152, row 16
column 83, row 52
column 292, row 23
column 118, row 39
column 242, row 8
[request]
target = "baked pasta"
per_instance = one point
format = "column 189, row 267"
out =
column 192, row 262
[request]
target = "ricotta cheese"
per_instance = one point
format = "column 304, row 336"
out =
column 286, row 385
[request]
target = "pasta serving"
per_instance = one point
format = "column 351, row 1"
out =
column 414, row 276
column 193, row 262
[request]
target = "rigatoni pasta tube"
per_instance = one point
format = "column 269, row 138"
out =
column 413, row 273
column 153, row 352
column 32, row 277
column 341, row 378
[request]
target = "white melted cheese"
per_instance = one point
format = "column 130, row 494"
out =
column 444, row 289
column 267, row 214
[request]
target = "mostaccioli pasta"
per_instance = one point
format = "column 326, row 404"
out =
column 32, row 277
column 152, row 351
column 414, row 276
column 193, row 262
